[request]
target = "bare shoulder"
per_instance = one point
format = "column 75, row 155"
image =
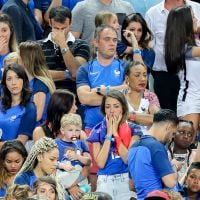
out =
column 38, row 133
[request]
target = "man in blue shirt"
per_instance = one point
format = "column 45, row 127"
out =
column 102, row 74
column 148, row 161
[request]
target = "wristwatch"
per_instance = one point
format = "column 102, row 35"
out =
column 98, row 90
column 64, row 50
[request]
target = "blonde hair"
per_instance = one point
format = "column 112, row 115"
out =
column 41, row 146
column 11, row 58
column 71, row 119
column 34, row 61
column 103, row 17
column 18, row 192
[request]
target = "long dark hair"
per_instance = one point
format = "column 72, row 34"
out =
column 179, row 33
column 4, row 18
column 25, row 93
column 60, row 103
column 146, row 33
column 10, row 146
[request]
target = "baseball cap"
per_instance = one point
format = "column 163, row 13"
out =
column 157, row 195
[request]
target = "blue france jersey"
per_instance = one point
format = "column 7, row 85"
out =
column 17, row 120
column 148, row 162
column 79, row 145
column 94, row 74
column 38, row 86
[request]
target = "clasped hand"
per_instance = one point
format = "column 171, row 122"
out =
column 112, row 124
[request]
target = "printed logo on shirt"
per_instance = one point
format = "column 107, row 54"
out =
column 143, row 109
column 93, row 73
column 114, row 155
column 117, row 72
column 13, row 118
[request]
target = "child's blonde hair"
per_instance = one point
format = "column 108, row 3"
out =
column 103, row 17
column 71, row 119
column 11, row 58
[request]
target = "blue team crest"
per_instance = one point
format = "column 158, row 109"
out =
column 13, row 117
column 117, row 72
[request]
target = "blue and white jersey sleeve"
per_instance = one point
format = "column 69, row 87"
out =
column 38, row 86
column 135, row 129
column 162, row 168
column 82, row 76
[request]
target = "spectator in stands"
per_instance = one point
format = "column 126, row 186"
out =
column 11, row 58
column 180, row 41
column 60, row 103
column 7, row 39
column 46, row 186
column 12, row 156
column 64, row 54
column 25, row 25
column 41, row 161
column 83, row 14
column 144, row 158
column 40, row 80
column 92, row 78
column 136, row 24
column 166, row 85
column 79, row 157
column 111, row 140
column 107, row 18
column 17, row 112
column 142, row 103
column 180, row 147
column 111, row 19
column 191, row 189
